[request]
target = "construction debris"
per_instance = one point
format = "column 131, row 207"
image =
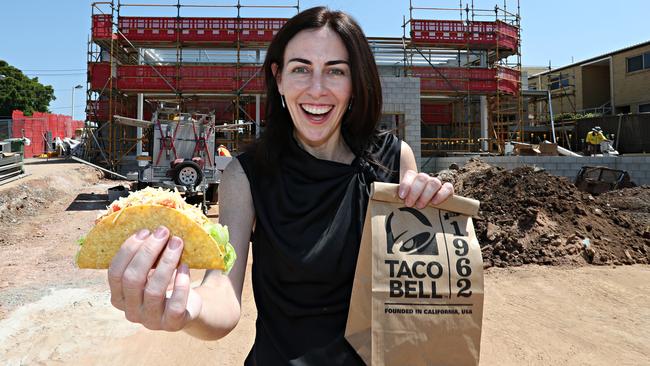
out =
column 529, row 216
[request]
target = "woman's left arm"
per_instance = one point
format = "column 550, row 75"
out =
column 419, row 189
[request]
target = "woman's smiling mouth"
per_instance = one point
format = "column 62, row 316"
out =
column 316, row 112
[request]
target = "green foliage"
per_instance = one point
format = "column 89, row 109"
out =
column 17, row 91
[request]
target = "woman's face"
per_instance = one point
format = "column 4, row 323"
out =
column 316, row 84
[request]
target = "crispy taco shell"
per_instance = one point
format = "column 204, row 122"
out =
column 105, row 239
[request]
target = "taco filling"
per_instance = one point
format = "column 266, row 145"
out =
column 206, row 244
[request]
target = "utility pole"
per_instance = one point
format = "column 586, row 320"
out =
column 72, row 112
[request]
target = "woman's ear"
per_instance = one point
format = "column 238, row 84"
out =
column 277, row 74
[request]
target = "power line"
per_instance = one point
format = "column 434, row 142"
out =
column 67, row 74
column 48, row 70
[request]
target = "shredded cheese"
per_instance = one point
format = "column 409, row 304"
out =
column 156, row 196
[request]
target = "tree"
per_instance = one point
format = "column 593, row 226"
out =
column 17, row 91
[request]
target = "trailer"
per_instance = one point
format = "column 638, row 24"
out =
column 181, row 154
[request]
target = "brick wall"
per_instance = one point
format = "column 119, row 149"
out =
column 402, row 96
column 637, row 166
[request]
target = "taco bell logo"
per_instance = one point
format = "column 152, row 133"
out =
column 409, row 231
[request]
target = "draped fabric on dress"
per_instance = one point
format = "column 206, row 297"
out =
column 309, row 220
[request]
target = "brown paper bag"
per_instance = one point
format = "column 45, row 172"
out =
column 417, row 297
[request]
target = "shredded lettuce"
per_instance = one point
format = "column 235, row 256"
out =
column 81, row 240
column 220, row 234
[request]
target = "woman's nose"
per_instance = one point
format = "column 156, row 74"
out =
column 316, row 85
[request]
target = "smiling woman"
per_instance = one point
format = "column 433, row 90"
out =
column 302, row 192
column 316, row 88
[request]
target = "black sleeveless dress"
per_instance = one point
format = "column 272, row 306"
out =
column 309, row 220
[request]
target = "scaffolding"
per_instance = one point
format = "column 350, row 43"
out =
column 139, row 64
column 465, row 74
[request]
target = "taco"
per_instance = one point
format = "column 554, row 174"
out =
column 205, row 244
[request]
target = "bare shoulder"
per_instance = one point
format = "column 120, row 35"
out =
column 407, row 159
column 237, row 212
column 234, row 171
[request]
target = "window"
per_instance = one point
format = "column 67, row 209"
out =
column 644, row 108
column 559, row 81
column 639, row 62
column 624, row 109
column 634, row 63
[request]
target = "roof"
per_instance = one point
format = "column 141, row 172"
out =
column 638, row 45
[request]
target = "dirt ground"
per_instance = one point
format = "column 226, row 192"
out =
column 54, row 314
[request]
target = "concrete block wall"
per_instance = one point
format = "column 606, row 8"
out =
column 637, row 166
column 402, row 96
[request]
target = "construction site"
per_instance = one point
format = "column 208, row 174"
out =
column 468, row 100
column 176, row 89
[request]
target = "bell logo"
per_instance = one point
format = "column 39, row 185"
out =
column 410, row 232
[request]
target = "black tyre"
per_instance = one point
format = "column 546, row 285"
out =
column 188, row 173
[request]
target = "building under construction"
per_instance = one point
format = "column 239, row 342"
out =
column 447, row 81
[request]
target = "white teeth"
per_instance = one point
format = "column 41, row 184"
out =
column 316, row 110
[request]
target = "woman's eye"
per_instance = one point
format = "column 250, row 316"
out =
column 337, row 72
column 300, row 70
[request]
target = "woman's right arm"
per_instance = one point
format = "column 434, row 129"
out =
column 220, row 294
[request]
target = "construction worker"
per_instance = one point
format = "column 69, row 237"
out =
column 223, row 151
column 593, row 140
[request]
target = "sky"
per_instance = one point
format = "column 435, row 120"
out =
column 48, row 39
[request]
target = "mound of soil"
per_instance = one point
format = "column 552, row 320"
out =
column 529, row 216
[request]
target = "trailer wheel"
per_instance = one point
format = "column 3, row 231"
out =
column 188, row 173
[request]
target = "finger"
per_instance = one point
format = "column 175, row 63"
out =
column 405, row 183
column 416, row 189
column 446, row 191
column 175, row 314
column 135, row 274
column 153, row 302
column 430, row 190
column 119, row 263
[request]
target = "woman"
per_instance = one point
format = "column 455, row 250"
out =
column 302, row 191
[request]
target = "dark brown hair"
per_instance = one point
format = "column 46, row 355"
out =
column 359, row 123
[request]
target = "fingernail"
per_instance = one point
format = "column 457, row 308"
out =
column 184, row 269
column 401, row 193
column 160, row 232
column 174, row 243
column 142, row 234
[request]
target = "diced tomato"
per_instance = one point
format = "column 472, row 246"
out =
column 168, row 202
column 116, row 208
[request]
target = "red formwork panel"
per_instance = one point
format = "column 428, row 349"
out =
column 98, row 110
column 450, row 32
column 36, row 127
column 456, row 79
column 435, row 113
column 99, row 73
column 459, row 33
column 209, row 85
column 147, row 71
column 251, row 78
column 507, row 35
column 508, row 80
column 259, row 29
column 146, row 78
column 159, row 29
column 198, row 30
column 102, row 26
column 216, row 78
column 210, row 71
column 208, row 29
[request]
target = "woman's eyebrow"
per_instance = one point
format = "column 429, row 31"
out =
column 328, row 63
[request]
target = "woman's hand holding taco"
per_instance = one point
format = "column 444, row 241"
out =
column 141, row 293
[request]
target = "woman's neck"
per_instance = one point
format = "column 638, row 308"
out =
column 334, row 149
